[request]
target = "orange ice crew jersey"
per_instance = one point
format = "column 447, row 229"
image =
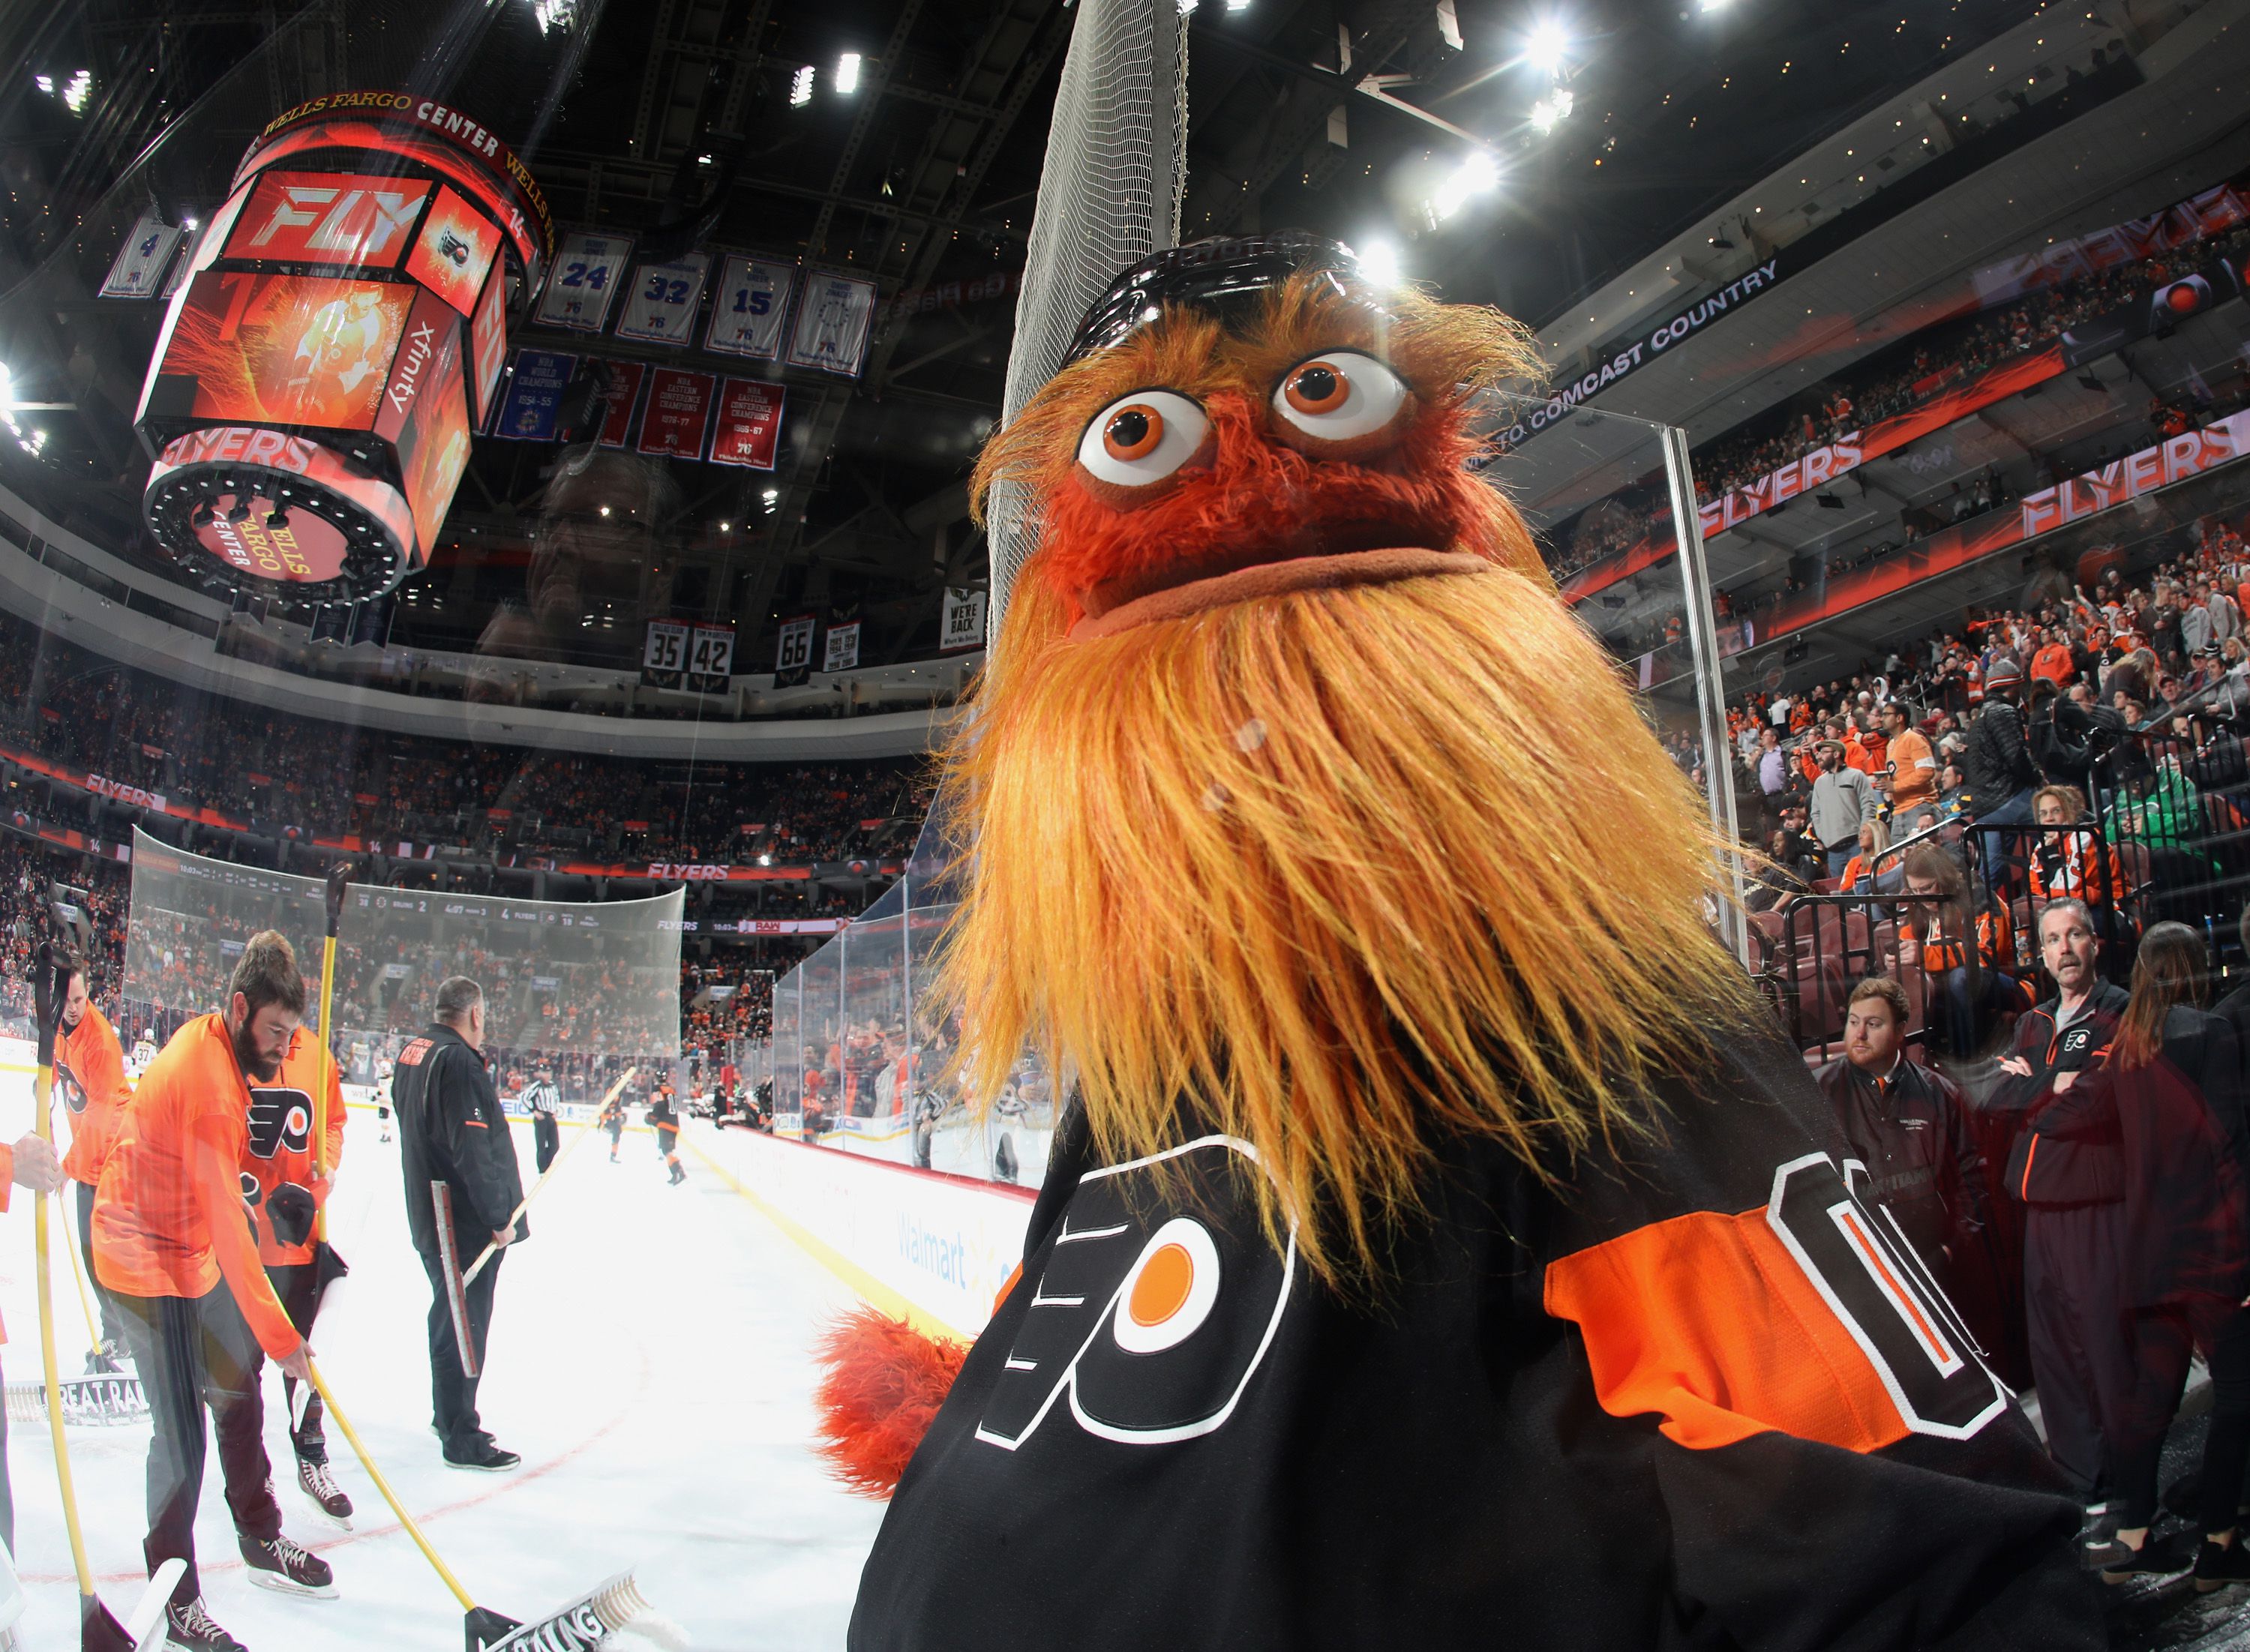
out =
column 89, row 1079
column 280, row 1140
column 168, row 1218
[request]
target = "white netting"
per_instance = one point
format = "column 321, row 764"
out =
column 1109, row 196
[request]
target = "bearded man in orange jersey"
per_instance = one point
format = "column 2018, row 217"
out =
column 1440, row 1250
column 173, row 1242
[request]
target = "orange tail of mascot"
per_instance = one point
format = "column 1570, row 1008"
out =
column 884, row 1383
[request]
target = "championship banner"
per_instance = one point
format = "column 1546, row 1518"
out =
column 842, row 653
column 535, row 392
column 678, row 410
column 588, row 272
column 710, row 659
column 746, row 313
column 660, row 307
column 664, row 655
column 794, row 652
column 962, row 625
column 617, row 398
column 750, row 425
column 142, row 261
column 832, row 322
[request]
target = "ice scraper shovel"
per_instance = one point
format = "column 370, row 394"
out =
column 586, row 1622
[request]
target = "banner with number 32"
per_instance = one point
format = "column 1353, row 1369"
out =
column 660, row 306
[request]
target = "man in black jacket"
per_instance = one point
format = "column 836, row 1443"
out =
column 451, row 1130
column 1909, row 1126
column 2072, row 1194
column 1999, row 763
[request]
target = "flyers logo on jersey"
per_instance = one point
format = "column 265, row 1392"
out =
column 1156, row 1302
column 71, row 1091
column 281, row 1119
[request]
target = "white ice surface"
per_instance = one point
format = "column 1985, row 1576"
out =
column 648, row 1359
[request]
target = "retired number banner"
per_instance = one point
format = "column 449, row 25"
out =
column 141, row 261
column 588, row 272
column 843, row 651
column 660, row 308
column 711, row 658
column 795, row 652
column 664, row 655
column 746, row 313
column 832, row 323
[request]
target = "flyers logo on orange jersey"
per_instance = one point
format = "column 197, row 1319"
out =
column 1156, row 1305
column 281, row 1119
column 71, row 1091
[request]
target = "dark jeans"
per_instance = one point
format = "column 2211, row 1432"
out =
column 2226, row 1447
column 112, row 1328
column 2133, row 1440
column 546, row 1137
column 296, row 1284
column 452, row 1394
column 190, row 1353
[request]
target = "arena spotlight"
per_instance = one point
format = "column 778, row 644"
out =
column 1553, row 109
column 1547, row 46
column 800, row 88
column 1378, row 261
column 1478, row 174
column 847, row 74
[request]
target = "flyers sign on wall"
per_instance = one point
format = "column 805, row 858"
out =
column 679, row 408
column 750, row 425
column 455, row 247
column 660, row 307
column 327, row 218
column 588, row 272
column 832, row 323
column 617, row 396
column 746, row 313
column 141, row 261
column 283, row 350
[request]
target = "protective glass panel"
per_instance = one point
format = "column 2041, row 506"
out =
column 187, row 920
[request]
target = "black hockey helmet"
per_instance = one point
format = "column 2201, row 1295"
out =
column 1220, row 273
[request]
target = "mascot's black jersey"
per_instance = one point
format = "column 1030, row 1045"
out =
column 1699, row 1396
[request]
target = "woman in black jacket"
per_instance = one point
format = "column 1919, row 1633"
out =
column 2168, row 1094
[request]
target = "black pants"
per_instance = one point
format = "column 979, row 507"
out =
column 2163, row 1344
column 452, row 1394
column 112, row 1328
column 7, row 1490
column 2226, row 1447
column 295, row 1283
column 667, row 1144
column 546, row 1138
column 190, row 1353
column 2081, row 1346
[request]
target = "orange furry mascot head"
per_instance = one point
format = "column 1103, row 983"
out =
column 1295, row 802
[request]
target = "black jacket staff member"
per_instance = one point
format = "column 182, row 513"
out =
column 452, row 1129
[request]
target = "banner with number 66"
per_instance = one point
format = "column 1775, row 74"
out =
column 795, row 652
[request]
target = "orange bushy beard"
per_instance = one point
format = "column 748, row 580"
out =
column 1346, row 871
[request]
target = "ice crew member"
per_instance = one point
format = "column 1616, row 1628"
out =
column 171, row 1244
column 542, row 1098
column 452, row 1129
column 89, row 1079
column 613, row 1120
column 664, row 1119
column 280, row 1157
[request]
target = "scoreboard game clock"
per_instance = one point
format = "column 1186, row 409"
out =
column 336, row 337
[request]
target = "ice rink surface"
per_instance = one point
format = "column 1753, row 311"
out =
column 648, row 1359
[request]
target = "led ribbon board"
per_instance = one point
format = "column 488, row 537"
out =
column 308, row 408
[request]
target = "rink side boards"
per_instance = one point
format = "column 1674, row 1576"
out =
column 931, row 1248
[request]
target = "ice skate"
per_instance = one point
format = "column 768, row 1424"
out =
column 189, row 1628
column 282, row 1564
column 319, row 1486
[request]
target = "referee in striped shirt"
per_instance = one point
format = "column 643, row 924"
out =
column 542, row 1098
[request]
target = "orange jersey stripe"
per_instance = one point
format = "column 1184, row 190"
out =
column 1709, row 1323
